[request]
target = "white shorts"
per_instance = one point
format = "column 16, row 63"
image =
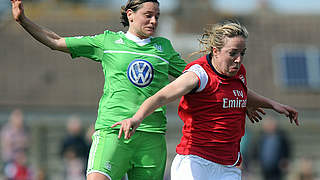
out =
column 191, row 167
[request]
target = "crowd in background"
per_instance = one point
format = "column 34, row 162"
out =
column 270, row 151
column 16, row 143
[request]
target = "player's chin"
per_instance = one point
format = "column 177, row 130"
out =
column 149, row 32
column 232, row 72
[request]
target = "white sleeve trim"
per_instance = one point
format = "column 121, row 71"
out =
column 202, row 75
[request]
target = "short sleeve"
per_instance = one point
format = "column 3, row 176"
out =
column 176, row 63
column 86, row 46
column 202, row 75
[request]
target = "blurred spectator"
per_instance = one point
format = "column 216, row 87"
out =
column 74, row 150
column 305, row 170
column 14, row 136
column 17, row 169
column 273, row 150
column 41, row 174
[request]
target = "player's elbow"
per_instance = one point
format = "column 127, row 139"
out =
column 59, row 45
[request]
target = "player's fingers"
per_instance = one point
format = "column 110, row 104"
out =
column 285, row 112
column 120, row 132
column 116, row 124
column 297, row 122
column 251, row 119
column 259, row 116
column 254, row 116
column 256, row 119
column 291, row 118
column 295, row 118
column 261, row 111
column 132, row 132
column 127, row 130
column 126, row 133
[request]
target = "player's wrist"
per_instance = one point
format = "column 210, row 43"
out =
column 22, row 19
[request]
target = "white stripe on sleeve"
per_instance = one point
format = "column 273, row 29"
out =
column 201, row 73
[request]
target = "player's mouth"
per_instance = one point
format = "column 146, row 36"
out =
column 150, row 28
column 235, row 68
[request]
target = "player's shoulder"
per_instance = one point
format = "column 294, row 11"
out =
column 113, row 33
column 110, row 37
column 163, row 43
column 202, row 61
column 162, row 40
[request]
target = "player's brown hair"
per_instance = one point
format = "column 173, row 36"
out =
column 214, row 35
column 134, row 5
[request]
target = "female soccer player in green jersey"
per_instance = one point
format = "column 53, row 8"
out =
column 136, row 66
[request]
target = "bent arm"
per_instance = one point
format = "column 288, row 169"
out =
column 258, row 101
column 179, row 87
column 176, row 89
column 43, row 35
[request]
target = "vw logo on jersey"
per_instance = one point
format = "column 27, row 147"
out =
column 140, row 72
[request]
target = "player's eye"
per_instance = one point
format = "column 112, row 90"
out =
column 148, row 15
column 232, row 53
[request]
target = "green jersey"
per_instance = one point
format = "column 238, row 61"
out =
column 132, row 74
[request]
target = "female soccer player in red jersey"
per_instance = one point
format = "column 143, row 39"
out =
column 213, row 107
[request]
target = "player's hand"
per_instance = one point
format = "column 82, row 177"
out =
column 17, row 10
column 128, row 127
column 254, row 114
column 288, row 111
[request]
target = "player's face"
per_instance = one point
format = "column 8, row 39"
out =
column 227, row 61
column 144, row 21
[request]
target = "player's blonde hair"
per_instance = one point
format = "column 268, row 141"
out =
column 215, row 35
column 134, row 5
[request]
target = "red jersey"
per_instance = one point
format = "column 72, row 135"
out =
column 214, row 114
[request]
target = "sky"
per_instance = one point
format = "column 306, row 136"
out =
column 233, row 6
column 280, row 6
column 247, row 6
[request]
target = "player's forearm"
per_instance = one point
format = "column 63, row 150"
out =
column 150, row 105
column 43, row 35
column 176, row 89
column 257, row 100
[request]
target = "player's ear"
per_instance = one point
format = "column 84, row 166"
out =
column 130, row 15
column 215, row 51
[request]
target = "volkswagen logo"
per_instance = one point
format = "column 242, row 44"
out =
column 140, row 73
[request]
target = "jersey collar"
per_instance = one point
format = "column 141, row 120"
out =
column 134, row 38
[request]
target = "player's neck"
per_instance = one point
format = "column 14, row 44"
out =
column 137, row 40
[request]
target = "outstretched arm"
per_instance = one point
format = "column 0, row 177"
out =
column 45, row 36
column 254, row 113
column 179, row 87
column 257, row 101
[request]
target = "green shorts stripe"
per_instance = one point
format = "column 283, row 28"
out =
column 93, row 149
